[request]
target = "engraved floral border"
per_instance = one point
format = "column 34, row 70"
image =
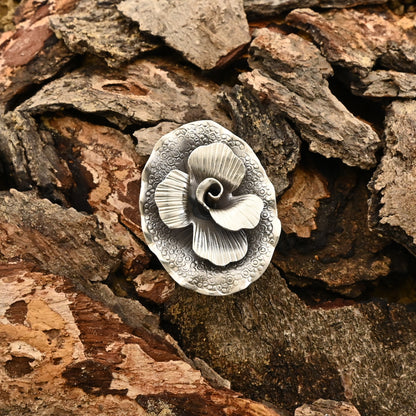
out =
column 173, row 247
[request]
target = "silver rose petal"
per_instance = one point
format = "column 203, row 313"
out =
column 218, row 245
column 172, row 199
column 217, row 161
column 208, row 209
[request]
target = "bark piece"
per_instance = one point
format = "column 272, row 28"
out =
column 100, row 29
column 327, row 408
column 148, row 137
column 69, row 342
column 334, row 245
column 33, row 10
column 31, row 158
column 13, row 158
column 106, row 163
column 209, row 374
column 358, row 39
column 383, row 83
column 155, row 285
column 298, row 207
column 143, row 93
column 290, row 74
column 269, row 135
column 31, row 54
column 207, row 33
column 58, row 240
column 392, row 208
column 267, row 8
column 267, row 337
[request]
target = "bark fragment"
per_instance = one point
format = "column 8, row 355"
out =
column 142, row 93
column 111, row 170
column 148, row 137
column 384, row 83
column 298, row 207
column 268, row 8
column 58, row 240
column 154, row 285
column 392, row 208
column 31, row 158
column 358, row 39
column 268, row 134
column 74, row 344
column 31, row 54
column 267, row 337
column 291, row 75
column 7, row 9
column 205, row 32
column 327, row 408
column 13, row 158
column 333, row 246
column 98, row 28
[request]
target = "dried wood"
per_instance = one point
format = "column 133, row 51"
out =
column 293, row 353
column 257, row 9
column 392, row 209
column 143, row 93
column 98, row 28
column 291, row 75
column 208, row 34
column 57, row 338
column 360, row 39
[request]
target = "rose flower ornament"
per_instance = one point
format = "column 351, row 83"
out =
column 208, row 209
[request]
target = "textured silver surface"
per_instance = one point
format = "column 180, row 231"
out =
column 213, row 200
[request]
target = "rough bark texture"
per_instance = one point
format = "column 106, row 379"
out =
column 207, row 33
column 85, row 308
column 383, row 83
column 327, row 238
column 290, row 74
column 31, row 158
column 145, row 92
column 58, row 240
column 97, row 27
column 298, row 207
column 270, row 135
column 393, row 186
column 31, row 54
column 56, row 337
column 327, row 408
column 268, row 8
column 107, row 168
column 358, row 39
column 148, row 137
column 268, row 338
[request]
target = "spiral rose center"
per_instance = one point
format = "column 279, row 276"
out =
column 209, row 192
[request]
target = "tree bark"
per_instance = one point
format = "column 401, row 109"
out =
column 324, row 96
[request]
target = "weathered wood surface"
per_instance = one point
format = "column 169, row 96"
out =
column 268, row 338
column 393, row 186
column 358, row 39
column 65, row 353
column 98, row 28
column 220, row 27
column 291, row 74
column 269, row 8
column 327, row 408
column 143, row 93
column 325, row 98
column 31, row 53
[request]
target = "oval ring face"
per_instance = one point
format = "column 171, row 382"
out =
column 208, row 209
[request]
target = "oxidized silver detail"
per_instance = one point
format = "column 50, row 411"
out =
column 208, row 209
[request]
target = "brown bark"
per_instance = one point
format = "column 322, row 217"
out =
column 54, row 338
column 325, row 99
